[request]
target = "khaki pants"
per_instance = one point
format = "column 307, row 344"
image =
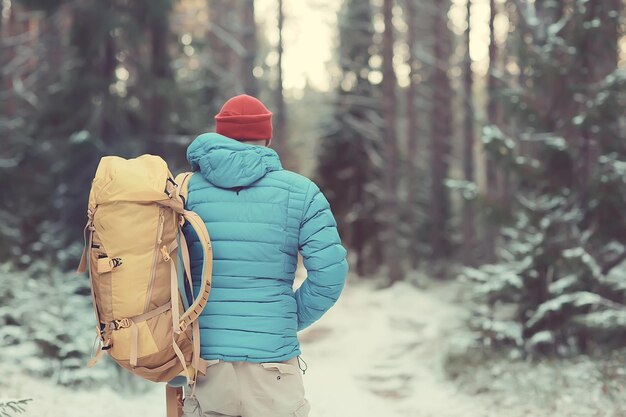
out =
column 244, row 389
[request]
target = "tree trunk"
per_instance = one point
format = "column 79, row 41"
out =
column 3, row 53
column 441, row 118
column 249, row 42
column 107, row 125
column 469, row 232
column 412, row 135
column 52, row 34
column 280, row 116
column 223, row 61
column 511, row 180
column 162, row 78
column 392, row 247
column 491, row 226
column 12, row 30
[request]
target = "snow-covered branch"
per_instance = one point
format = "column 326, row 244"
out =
column 8, row 408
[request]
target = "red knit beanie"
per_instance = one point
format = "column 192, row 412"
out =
column 244, row 118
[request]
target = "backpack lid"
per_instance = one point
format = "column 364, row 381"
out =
column 142, row 179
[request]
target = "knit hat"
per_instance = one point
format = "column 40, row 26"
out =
column 244, row 118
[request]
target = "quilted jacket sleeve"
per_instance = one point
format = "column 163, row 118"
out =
column 324, row 259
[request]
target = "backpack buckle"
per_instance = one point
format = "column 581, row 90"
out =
column 91, row 212
column 120, row 324
column 183, row 326
column 165, row 253
column 115, row 262
column 170, row 188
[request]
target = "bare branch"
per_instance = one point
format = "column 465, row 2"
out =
column 228, row 39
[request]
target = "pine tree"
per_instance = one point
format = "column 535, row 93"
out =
column 224, row 50
column 117, row 99
column 563, row 263
column 469, row 231
column 412, row 134
column 29, row 151
column 350, row 166
column 441, row 131
column 161, row 75
column 280, row 113
column 225, row 55
column 493, row 113
column 249, row 42
column 393, row 256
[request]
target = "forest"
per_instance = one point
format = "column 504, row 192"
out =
column 473, row 153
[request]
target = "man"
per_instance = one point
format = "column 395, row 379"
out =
column 259, row 217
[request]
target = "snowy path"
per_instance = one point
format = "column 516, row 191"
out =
column 376, row 353
column 380, row 352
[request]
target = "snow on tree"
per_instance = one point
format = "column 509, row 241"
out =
column 560, row 273
column 9, row 408
column 47, row 325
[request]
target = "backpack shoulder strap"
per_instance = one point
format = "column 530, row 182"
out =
column 196, row 223
column 198, row 304
column 182, row 180
column 190, row 316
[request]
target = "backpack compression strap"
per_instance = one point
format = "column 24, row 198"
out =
column 182, row 180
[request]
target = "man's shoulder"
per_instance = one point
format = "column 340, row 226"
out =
column 295, row 181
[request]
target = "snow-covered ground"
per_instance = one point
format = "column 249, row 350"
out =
column 377, row 353
column 380, row 353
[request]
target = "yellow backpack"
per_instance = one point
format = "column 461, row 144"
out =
column 138, row 261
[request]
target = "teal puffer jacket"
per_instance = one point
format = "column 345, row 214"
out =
column 259, row 216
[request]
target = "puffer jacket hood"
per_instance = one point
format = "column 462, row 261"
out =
column 227, row 163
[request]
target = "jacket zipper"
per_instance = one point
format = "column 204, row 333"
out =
column 155, row 259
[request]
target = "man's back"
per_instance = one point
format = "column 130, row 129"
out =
column 259, row 216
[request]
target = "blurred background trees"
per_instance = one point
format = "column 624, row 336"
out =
column 484, row 133
column 562, row 149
